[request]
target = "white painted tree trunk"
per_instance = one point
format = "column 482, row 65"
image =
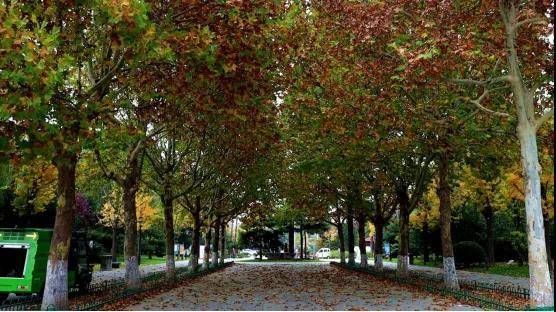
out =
column 342, row 257
column 170, row 268
column 403, row 265
column 541, row 292
column 132, row 277
column 194, row 263
column 449, row 273
column 378, row 262
column 363, row 263
column 56, row 288
column 539, row 276
column 351, row 258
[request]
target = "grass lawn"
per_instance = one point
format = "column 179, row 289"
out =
column 275, row 260
column 144, row 261
column 501, row 268
column 513, row 270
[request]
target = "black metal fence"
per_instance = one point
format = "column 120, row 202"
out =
column 433, row 283
column 99, row 294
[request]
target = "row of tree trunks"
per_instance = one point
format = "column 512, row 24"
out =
column 55, row 295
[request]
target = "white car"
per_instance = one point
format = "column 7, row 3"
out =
column 322, row 253
column 250, row 252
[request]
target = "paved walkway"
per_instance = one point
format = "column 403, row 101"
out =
column 294, row 286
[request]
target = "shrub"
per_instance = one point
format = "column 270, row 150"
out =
column 468, row 253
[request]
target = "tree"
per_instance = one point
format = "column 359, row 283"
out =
column 62, row 59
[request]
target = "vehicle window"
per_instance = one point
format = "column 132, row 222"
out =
column 12, row 260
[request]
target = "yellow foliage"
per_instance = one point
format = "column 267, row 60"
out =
column 146, row 213
column 111, row 213
column 428, row 211
column 35, row 185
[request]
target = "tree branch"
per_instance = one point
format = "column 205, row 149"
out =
column 481, row 82
column 545, row 116
column 477, row 103
column 535, row 20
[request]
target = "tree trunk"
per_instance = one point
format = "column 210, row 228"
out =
column 216, row 243
column 195, row 242
column 426, row 256
column 301, row 241
column 113, row 248
column 488, row 214
column 541, row 292
column 55, row 295
column 132, row 276
column 305, row 250
column 362, row 245
column 403, row 254
column 539, row 273
column 379, row 244
column 208, row 239
column 443, row 191
column 169, row 236
column 291, row 239
column 222, row 242
column 351, row 237
column 546, row 220
column 342, row 243
column 548, row 244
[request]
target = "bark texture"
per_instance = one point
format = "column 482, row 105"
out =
column 291, row 239
column 403, row 257
column 132, row 277
column 169, row 236
column 342, row 243
column 488, row 214
column 379, row 244
column 195, row 243
column 541, row 292
column 443, row 191
column 222, row 242
column 56, row 286
column 208, row 239
column 351, row 235
column 361, row 219
column 215, row 243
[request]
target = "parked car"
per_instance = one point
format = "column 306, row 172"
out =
column 322, row 253
column 250, row 252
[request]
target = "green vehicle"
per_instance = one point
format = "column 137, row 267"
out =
column 23, row 259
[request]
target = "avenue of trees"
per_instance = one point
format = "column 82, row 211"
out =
column 144, row 115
